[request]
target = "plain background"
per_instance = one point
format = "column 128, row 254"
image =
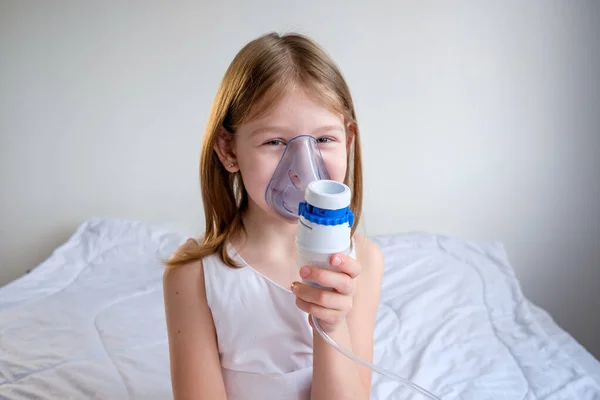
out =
column 479, row 119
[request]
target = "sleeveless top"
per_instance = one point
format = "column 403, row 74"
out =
column 264, row 340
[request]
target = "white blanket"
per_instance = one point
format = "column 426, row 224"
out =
column 88, row 323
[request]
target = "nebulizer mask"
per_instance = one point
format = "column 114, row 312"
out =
column 300, row 190
column 300, row 164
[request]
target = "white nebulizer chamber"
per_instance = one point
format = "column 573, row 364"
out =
column 324, row 228
column 324, row 224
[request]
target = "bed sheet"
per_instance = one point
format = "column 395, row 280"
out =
column 88, row 323
column 453, row 310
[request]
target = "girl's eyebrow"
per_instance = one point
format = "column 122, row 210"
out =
column 327, row 128
column 271, row 128
column 287, row 130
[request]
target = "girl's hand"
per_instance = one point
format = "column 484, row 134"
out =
column 330, row 307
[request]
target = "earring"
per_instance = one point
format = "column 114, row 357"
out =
column 231, row 164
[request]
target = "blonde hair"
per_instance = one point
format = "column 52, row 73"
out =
column 259, row 75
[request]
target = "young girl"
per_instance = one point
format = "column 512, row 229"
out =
column 237, row 312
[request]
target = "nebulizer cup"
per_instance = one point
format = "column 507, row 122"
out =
column 324, row 229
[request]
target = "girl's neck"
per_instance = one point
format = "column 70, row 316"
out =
column 267, row 231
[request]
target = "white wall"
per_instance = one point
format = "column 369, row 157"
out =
column 482, row 117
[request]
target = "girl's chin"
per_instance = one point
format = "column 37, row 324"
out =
column 290, row 221
column 280, row 217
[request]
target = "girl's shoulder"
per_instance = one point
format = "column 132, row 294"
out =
column 368, row 254
column 189, row 244
column 184, row 271
column 366, row 246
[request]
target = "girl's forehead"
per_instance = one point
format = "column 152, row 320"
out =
column 298, row 111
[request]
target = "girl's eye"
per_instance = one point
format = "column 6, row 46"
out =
column 324, row 140
column 275, row 142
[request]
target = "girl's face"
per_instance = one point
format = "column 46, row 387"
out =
column 259, row 144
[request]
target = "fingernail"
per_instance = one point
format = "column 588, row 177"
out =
column 304, row 271
column 336, row 261
column 293, row 286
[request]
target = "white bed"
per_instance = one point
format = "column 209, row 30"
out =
column 88, row 323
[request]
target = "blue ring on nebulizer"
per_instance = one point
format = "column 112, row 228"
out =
column 322, row 216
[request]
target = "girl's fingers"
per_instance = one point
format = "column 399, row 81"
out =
column 327, row 315
column 323, row 298
column 339, row 281
column 346, row 264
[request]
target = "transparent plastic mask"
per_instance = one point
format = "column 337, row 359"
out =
column 300, row 164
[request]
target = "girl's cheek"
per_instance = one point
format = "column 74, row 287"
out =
column 336, row 165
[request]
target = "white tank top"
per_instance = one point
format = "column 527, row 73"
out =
column 265, row 341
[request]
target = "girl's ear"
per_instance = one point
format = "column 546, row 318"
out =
column 350, row 135
column 224, row 148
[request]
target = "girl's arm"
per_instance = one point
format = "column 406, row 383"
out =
column 195, row 365
column 361, row 319
column 334, row 375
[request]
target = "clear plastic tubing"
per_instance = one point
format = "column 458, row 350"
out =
column 371, row 366
column 324, row 229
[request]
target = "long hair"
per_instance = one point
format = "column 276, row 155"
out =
column 259, row 75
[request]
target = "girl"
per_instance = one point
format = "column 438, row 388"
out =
column 237, row 313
